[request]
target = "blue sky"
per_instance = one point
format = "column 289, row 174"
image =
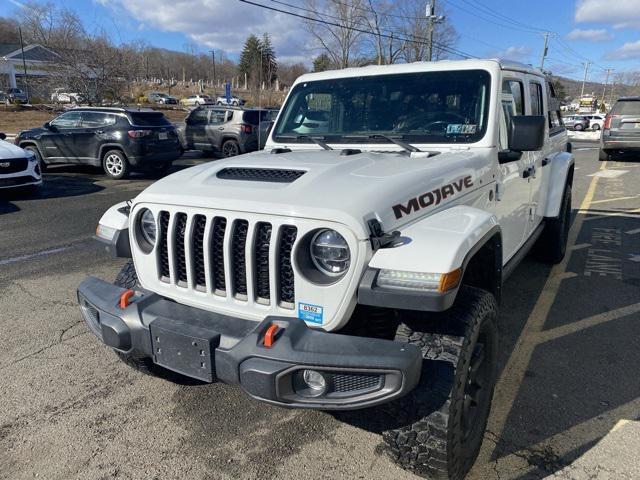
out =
column 606, row 32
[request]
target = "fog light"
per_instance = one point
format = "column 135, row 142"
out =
column 314, row 380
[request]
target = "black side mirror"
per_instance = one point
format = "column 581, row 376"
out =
column 526, row 133
column 47, row 125
column 3, row 136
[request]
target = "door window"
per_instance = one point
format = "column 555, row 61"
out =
column 516, row 89
column 535, row 94
column 198, row 117
column 97, row 119
column 67, row 120
column 217, row 117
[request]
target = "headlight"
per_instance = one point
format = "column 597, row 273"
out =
column 148, row 226
column 330, row 253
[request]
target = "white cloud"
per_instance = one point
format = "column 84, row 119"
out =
column 520, row 54
column 628, row 51
column 219, row 24
column 590, row 35
column 619, row 13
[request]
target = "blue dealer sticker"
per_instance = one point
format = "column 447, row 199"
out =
column 310, row 313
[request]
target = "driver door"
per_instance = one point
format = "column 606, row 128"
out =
column 58, row 141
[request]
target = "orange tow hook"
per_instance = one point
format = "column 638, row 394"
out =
column 125, row 298
column 270, row 335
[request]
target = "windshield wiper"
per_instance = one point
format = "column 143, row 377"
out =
column 406, row 146
column 316, row 140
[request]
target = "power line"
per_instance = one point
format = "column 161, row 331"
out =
column 476, row 14
column 392, row 35
column 502, row 17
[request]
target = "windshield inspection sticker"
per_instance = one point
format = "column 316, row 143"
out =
column 310, row 313
column 461, row 128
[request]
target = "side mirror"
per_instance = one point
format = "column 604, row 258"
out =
column 3, row 136
column 47, row 125
column 526, row 133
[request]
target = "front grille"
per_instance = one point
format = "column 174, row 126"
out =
column 192, row 254
column 14, row 165
column 260, row 174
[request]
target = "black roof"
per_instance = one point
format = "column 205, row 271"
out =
column 116, row 109
column 31, row 52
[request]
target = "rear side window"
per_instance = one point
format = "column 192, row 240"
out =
column 254, row 117
column 535, row 93
column 148, row 119
column 96, row 119
column 626, row 107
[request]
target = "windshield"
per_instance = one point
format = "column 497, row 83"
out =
column 424, row 107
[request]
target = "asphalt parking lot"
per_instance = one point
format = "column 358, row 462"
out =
column 570, row 350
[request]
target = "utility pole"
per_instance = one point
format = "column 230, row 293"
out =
column 606, row 82
column 213, row 61
column 432, row 20
column 24, row 64
column 545, row 49
column 586, row 71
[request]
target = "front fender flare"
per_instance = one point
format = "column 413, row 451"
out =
column 440, row 243
column 117, row 219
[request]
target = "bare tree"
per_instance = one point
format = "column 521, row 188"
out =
column 51, row 26
column 336, row 30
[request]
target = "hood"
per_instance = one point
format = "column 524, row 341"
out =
column 9, row 150
column 326, row 185
column 31, row 132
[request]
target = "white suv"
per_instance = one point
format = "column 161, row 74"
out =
column 18, row 167
column 357, row 261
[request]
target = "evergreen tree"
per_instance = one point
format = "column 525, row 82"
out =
column 250, row 60
column 321, row 63
column 269, row 61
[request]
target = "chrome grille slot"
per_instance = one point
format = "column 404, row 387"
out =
column 262, row 244
column 163, row 261
column 238, row 262
column 288, row 235
column 197, row 235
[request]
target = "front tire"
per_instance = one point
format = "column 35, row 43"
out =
column 442, row 421
column 115, row 165
column 230, row 148
column 603, row 155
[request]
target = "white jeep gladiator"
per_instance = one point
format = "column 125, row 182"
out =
column 358, row 261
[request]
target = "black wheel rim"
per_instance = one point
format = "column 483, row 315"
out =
column 477, row 386
column 230, row 150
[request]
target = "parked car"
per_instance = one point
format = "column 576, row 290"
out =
column 359, row 266
column 596, row 121
column 225, row 130
column 4, row 98
column 195, row 100
column 117, row 139
column 621, row 129
column 60, row 95
column 15, row 95
column 233, row 101
column 576, row 122
column 161, row 98
column 18, row 167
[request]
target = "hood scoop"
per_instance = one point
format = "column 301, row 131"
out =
column 272, row 175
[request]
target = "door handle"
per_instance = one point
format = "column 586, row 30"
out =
column 220, row 128
column 528, row 172
column 546, row 161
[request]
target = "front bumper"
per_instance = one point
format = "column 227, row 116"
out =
column 358, row 372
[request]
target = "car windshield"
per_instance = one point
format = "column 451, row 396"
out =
column 626, row 107
column 424, row 107
column 148, row 119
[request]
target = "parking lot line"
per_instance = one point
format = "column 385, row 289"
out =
column 509, row 383
column 42, row 253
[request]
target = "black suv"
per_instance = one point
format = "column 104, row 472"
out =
column 621, row 129
column 117, row 139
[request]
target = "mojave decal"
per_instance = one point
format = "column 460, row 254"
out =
column 432, row 198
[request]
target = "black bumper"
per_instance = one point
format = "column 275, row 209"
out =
column 358, row 372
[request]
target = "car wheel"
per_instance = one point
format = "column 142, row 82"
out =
column 230, row 148
column 552, row 245
column 33, row 149
column 578, row 127
column 603, row 155
column 115, row 164
column 439, row 426
column 219, row 103
column 596, row 127
column 235, row 104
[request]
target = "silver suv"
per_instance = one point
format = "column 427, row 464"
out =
column 621, row 129
column 230, row 131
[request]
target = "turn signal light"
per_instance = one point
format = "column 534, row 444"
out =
column 246, row 128
column 449, row 281
column 139, row 133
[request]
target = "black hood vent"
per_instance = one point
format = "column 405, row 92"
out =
column 260, row 174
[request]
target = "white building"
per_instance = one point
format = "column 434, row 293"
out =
column 40, row 63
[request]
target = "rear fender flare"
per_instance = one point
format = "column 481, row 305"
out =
column 561, row 174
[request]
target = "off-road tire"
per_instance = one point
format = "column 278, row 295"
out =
column 33, row 149
column 434, row 438
column 603, row 155
column 552, row 244
column 230, row 148
column 115, row 164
